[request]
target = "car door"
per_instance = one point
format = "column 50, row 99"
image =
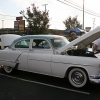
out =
column 39, row 59
column 22, row 45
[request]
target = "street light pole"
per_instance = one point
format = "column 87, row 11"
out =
column 93, row 23
column 83, row 14
column 45, row 7
column 2, row 24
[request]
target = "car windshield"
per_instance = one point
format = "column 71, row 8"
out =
column 59, row 42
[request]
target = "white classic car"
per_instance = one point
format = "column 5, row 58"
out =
column 53, row 55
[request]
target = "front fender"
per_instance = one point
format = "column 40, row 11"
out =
column 9, row 57
column 60, row 64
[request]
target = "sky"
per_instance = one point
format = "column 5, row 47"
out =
column 59, row 11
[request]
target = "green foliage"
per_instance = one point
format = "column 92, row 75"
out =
column 38, row 21
column 72, row 23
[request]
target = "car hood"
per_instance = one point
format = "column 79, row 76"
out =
column 83, row 40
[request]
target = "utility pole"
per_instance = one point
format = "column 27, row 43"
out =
column 2, row 23
column 93, row 23
column 45, row 7
column 83, row 14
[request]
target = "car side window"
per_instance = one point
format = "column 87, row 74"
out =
column 40, row 43
column 23, row 44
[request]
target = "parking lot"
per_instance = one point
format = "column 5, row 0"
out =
column 29, row 86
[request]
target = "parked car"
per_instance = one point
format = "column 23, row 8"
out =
column 54, row 55
column 6, row 40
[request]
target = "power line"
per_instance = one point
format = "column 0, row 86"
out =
column 77, row 7
column 7, row 15
column 7, row 19
column 73, row 3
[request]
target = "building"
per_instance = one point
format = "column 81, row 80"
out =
column 26, row 31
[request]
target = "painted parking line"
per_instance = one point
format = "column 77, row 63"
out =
column 67, row 89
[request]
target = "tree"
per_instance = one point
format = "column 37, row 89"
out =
column 38, row 21
column 72, row 23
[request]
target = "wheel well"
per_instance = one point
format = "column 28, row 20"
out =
column 69, row 69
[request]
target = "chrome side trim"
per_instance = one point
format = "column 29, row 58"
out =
column 95, row 76
column 8, row 61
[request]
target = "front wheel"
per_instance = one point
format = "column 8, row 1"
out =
column 77, row 77
column 8, row 69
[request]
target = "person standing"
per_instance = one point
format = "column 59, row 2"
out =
column 96, row 45
column 72, row 36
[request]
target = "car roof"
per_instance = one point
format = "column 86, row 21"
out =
column 48, row 37
column 38, row 36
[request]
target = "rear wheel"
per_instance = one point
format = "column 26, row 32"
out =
column 77, row 77
column 8, row 69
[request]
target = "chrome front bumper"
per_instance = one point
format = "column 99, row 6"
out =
column 95, row 78
column 95, row 81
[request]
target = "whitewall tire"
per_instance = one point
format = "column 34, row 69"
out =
column 77, row 77
column 8, row 69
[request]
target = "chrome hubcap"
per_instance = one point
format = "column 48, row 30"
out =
column 8, row 68
column 77, row 77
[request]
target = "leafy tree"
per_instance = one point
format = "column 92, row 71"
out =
column 38, row 21
column 72, row 23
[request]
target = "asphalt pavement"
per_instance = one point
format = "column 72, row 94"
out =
column 29, row 86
